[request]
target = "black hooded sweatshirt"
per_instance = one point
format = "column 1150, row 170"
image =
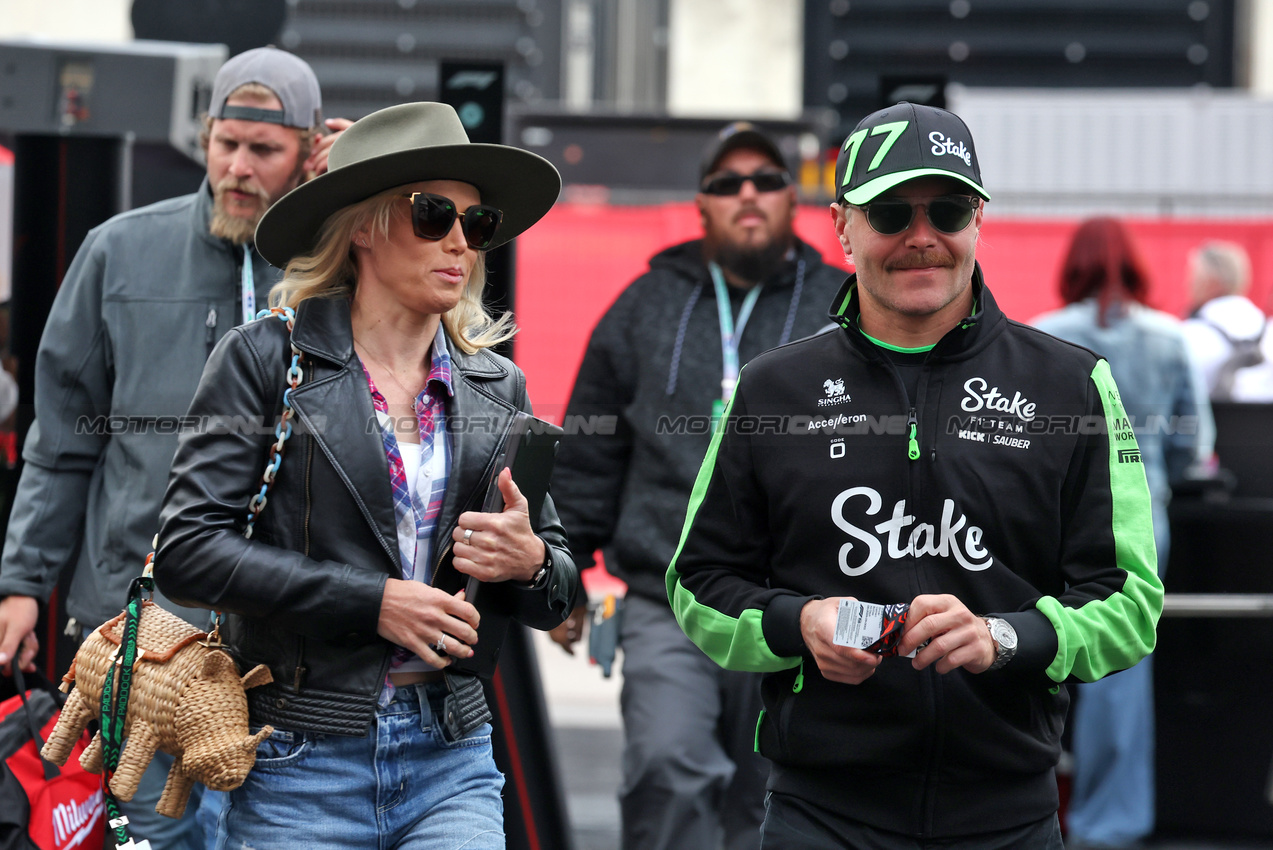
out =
column 639, row 418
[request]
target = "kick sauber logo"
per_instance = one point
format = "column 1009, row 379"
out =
column 835, row 394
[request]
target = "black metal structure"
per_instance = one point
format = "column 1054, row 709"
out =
column 369, row 54
column 477, row 91
column 1215, row 744
column 644, row 157
column 850, row 46
column 238, row 24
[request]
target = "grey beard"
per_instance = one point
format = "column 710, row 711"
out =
column 753, row 264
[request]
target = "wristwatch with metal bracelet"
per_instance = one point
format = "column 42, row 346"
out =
column 1005, row 640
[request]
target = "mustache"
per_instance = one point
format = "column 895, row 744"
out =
column 749, row 210
column 236, row 184
column 922, row 260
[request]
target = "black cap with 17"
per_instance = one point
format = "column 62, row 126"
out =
column 904, row 142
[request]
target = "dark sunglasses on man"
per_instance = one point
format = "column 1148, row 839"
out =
column 947, row 214
column 433, row 216
column 729, row 183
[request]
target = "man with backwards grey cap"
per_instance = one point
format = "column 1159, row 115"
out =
column 147, row 297
column 970, row 495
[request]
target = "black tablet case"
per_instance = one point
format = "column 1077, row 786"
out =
column 529, row 449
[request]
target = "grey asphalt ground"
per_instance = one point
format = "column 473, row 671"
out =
column 584, row 709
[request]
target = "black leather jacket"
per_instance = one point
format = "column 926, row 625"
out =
column 303, row 595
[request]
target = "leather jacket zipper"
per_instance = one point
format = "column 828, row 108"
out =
column 309, row 469
column 442, row 553
column 299, row 676
column 478, row 493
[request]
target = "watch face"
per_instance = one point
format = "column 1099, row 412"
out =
column 1004, row 634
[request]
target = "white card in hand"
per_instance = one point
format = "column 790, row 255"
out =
column 862, row 624
column 858, row 624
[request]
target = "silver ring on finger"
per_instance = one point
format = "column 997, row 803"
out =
column 468, row 536
column 440, row 646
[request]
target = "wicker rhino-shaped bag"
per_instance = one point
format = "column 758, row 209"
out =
column 186, row 699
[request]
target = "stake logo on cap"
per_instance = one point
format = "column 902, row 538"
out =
column 901, row 143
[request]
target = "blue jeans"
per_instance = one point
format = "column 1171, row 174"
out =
column 403, row 785
column 144, row 822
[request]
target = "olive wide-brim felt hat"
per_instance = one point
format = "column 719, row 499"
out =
column 404, row 144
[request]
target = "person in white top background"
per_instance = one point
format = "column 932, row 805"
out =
column 1226, row 331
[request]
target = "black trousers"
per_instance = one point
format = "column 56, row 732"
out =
column 793, row 824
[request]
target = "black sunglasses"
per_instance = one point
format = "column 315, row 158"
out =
column 433, row 216
column 948, row 214
column 730, row 183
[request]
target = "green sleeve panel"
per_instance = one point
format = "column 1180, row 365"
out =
column 1111, row 634
column 733, row 642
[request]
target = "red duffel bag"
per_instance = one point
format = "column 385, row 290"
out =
column 44, row 807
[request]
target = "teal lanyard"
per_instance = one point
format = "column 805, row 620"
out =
column 249, row 287
column 729, row 334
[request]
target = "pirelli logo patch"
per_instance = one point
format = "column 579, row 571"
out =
column 1129, row 455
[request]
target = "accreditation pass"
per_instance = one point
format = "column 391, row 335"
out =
column 858, row 624
column 866, row 625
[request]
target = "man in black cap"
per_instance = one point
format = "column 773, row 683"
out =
column 142, row 305
column 663, row 362
column 929, row 480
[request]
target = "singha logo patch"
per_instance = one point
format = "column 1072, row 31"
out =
column 835, row 394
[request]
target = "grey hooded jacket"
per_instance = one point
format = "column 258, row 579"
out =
column 147, row 297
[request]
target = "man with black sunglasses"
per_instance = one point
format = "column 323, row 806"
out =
column 147, row 297
column 663, row 361
column 920, row 527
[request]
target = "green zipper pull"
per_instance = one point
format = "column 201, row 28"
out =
column 798, row 685
column 912, row 448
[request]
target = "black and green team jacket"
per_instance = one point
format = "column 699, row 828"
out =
column 1012, row 481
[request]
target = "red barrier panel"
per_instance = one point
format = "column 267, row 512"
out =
column 573, row 264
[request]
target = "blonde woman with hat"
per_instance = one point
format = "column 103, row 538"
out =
column 397, row 406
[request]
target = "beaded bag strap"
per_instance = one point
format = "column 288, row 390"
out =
column 282, row 431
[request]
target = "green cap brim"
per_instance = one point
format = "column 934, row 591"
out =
column 871, row 190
